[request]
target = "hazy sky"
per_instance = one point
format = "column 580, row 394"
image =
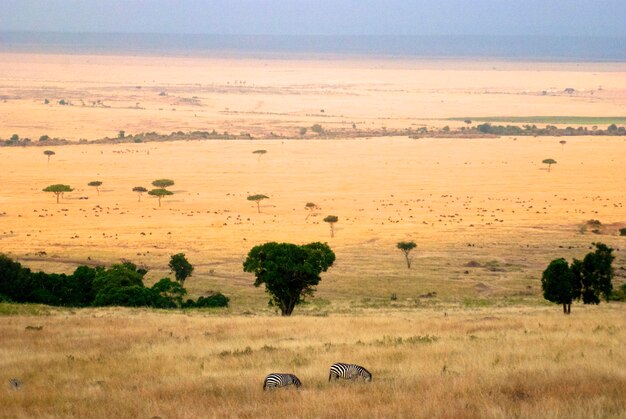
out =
column 320, row 17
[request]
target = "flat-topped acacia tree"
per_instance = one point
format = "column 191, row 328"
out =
column 163, row 183
column 49, row 153
column 160, row 193
column 311, row 207
column 257, row 198
column 406, row 248
column 140, row 190
column 331, row 219
column 96, row 184
column 259, row 153
column 58, row 189
column 549, row 162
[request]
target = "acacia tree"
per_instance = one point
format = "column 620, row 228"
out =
column 96, row 184
column 49, row 153
column 259, row 153
column 181, row 267
column 311, row 207
column 549, row 162
column 257, row 198
column 331, row 219
column 140, row 190
column 289, row 272
column 160, row 193
column 406, row 248
column 559, row 284
column 163, row 183
column 58, row 189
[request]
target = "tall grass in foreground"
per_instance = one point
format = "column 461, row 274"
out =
column 450, row 362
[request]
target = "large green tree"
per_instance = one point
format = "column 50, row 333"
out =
column 58, row 189
column 588, row 279
column 289, row 272
column 181, row 267
column 559, row 284
column 595, row 274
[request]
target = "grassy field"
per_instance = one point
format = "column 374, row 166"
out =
column 553, row 120
column 446, row 362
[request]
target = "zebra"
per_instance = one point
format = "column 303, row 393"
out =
column 280, row 380
column 349, row 372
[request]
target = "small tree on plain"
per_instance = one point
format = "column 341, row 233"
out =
column 49, row 153
column 331, row 219
column 311, row 207
column 562, row 142
column 549, row 162
column 259, row 153
column 317, row 128
column 163, row 183
column 181, row 267
column 559, row 284
column 160, row 193
column 406, row 248
column 257, row 198
column 140, row 190
column 96, row 184
column 58, row 189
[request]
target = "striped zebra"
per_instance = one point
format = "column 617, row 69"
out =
column 349, row 372
column 280, row 380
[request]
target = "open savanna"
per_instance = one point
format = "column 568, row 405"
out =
column 280, row 95
column 485, row 202
column 524, row 362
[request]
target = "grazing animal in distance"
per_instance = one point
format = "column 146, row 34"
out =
column 280, row 380
column 349, row 372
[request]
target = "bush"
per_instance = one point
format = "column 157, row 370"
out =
column 622, row 231
column 215, row 300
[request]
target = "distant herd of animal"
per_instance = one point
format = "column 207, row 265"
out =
column 338, row 370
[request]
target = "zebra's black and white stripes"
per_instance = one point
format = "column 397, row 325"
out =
column 348, row 372
column 280, row 380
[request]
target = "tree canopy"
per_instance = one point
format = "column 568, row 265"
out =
column 587, row 279
column 181, row 267
column 96, row 184
column 58, row 189
column 140, row 190
column 331, row 219
column 406, row 248
column 549, row 162
column 559, row 284
column 160, row 193
column 289, row 272
column 163, row 183
column 257, row 198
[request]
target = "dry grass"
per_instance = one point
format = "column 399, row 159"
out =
column 508, row 362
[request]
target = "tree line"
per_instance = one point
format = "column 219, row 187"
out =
column 119, row 285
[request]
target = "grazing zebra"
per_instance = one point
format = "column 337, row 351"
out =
column 280, row 380
column 349, row 372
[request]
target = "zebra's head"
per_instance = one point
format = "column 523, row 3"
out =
column 367, row 376
column 296, row 381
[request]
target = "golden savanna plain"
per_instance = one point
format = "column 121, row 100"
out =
column 467, row 332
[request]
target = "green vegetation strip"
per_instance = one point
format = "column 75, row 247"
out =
column 579, row 120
